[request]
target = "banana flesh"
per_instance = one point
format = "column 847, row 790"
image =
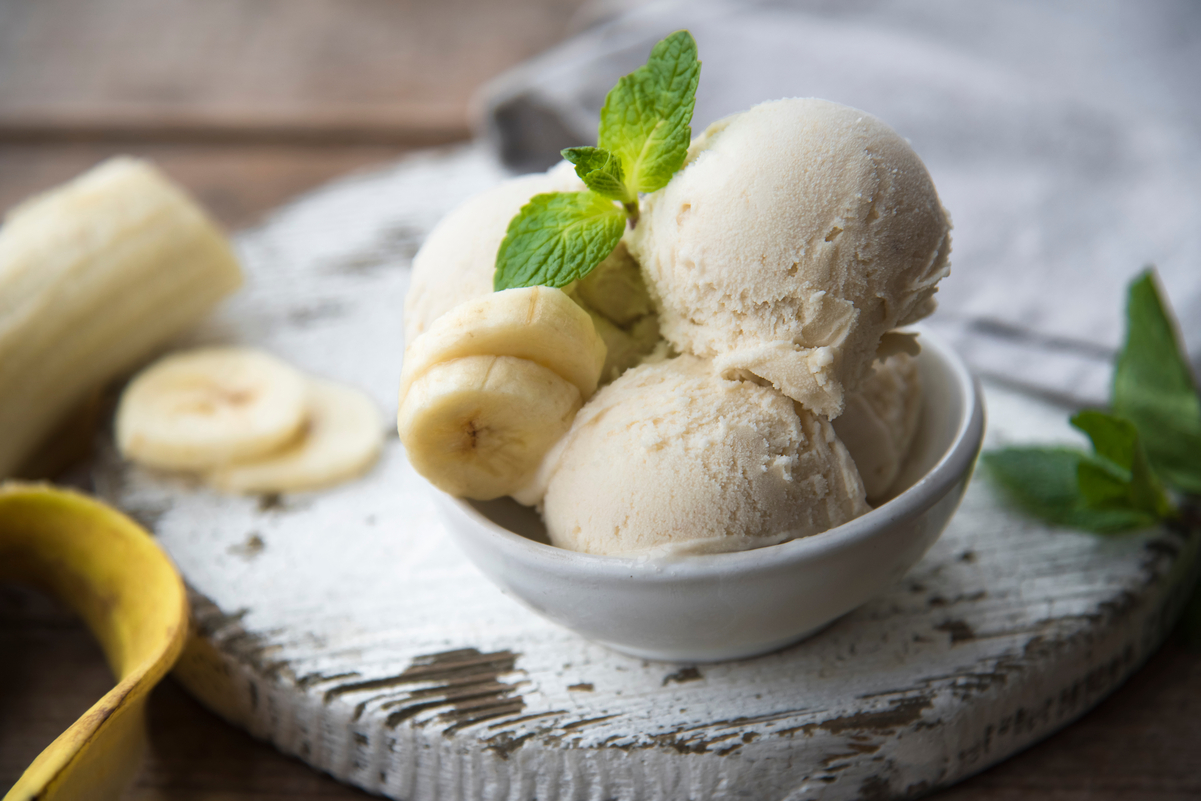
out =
column 539, row 324
column 477, row 427
column 209, row 407
column 492, row 384
column 247, row 422
column 340, row 440
column 111, row 572
column 94, row 277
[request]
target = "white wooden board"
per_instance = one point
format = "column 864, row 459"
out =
column 347, row 629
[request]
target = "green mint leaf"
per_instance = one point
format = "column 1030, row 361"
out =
column 1044, row 482
column 557, row 238
column 1123, row 474
column 1113, row 438
column 645, row 119
column 1100, row 487
column 600, row 171
column 1153, row 387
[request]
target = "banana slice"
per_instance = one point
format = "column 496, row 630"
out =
column 340, row 441
column 209, row 407
column 540, row 324
column 478, row 426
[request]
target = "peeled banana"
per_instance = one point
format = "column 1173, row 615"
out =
column 94, row 277
column 492, row 384
column 110, row 571
column 209, row 407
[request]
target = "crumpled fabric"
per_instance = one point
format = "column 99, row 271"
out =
column 1064, row 139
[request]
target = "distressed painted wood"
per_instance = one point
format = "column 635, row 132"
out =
column 346, row 628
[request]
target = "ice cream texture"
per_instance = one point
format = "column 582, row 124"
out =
column 880, row 421
column 673, row 456
column 796, row 237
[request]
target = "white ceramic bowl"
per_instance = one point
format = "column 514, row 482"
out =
column 733, row 605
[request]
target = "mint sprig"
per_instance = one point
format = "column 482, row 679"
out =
column 643, row 140
column 1153, row 387
column 1151, row 438
column 645, row 119
column 1045, row 482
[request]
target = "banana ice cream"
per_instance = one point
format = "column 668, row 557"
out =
column 457, row 261
column 799, row 234
column 880, row 421
column 673, row 455
column 755, row 299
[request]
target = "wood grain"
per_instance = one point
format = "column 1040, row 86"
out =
column 247, row 102
column 357, row 68
column 1138, row 745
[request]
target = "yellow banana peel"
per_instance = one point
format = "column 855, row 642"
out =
column 111, row 572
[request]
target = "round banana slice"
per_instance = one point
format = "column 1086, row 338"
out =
column 477, row 427
column 209, row 407
column 538, row 323
column 340, row 440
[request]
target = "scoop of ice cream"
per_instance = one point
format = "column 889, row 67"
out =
column 880, row 420
column 797, row 235
column 458, row 259
column 671, row 454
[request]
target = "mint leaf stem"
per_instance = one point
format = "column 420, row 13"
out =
column 632, row 212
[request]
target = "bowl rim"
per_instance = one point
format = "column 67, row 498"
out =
column 909, row 505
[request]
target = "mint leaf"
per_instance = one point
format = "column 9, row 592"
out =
column 557, row 238
column 1044, row 482
column 1154, row 388
column 1113, row 438
column 645, row 119
column 560, row 237
column 600, row 171
column 1122, row 476
column 1100, row 487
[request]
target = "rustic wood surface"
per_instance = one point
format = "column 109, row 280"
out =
column 214, row 130
column 345, row 627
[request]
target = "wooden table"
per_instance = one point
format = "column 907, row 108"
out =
column 249, row 103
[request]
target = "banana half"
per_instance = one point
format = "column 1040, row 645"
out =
column 95, row 276
column 492, row 385
column 110, row 571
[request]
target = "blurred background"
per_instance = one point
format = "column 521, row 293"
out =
column 249, row 103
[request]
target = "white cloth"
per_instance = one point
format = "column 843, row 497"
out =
column 1064, row 138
